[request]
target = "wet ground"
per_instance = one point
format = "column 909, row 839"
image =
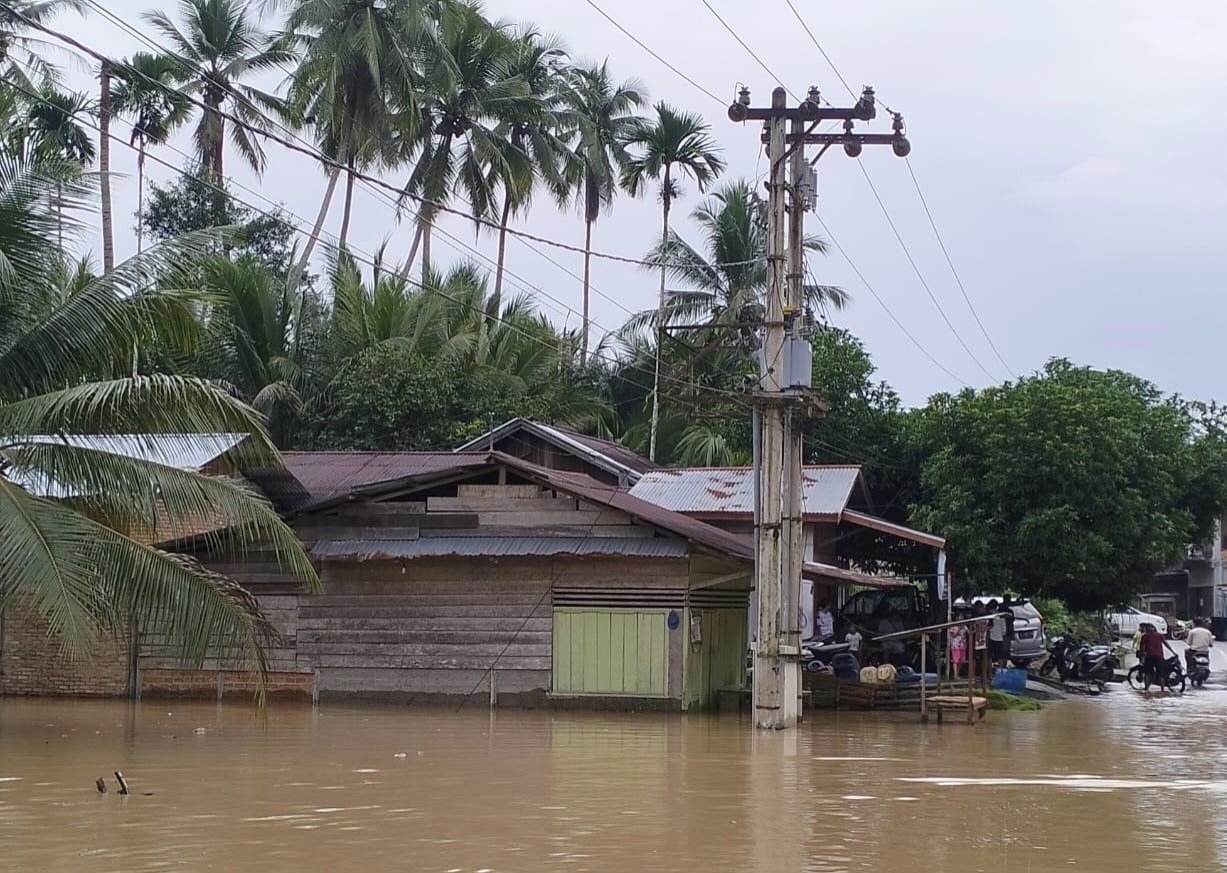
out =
column 1118, row 783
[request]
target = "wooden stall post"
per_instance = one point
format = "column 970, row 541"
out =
column 924, row 704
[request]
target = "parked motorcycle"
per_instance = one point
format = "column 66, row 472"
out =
column 1060, row 657
column 815, row 655
column 1075, row 660
column 1096, row 664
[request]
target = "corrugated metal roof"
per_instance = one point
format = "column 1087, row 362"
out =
column 496, row 546
column 331, row 474
column 184, row 451
column 602, row 453
column 730, row 490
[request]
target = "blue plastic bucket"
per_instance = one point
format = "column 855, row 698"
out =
column 1011, row 681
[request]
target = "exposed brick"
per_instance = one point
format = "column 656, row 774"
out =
column 31, row 662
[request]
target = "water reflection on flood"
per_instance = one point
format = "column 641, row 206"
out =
column 1120, row 783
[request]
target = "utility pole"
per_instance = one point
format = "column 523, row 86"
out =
column 784, row 392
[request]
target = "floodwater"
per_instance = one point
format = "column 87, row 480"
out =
column 1122, row 782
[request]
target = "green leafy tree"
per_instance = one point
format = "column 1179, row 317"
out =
column 675, row 141
column 72, row 516
column 195, row 201
column 1075, row 482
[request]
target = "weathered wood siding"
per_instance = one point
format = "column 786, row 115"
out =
column 432, row 626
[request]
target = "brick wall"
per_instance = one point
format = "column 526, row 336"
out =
column 31, row 663
column 158, row 682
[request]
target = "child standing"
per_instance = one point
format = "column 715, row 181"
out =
column 958, row 648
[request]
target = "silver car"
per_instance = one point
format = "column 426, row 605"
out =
column 1029, row 641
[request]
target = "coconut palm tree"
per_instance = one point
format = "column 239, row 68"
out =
column 356, row 80
column 19, row 50
column 252, row 337
column 219, row 46
column 726, row 279
column 468, row 86
column 364, row 317
column 144, row 91
column 55, row 132
column 601, row 115
column 675, row 140
column 74, row 513
column 531, row 151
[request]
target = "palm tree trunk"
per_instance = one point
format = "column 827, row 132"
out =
column 502, row 248
column 300, row 268
column 140, row 195
column 660, row 323
column 349, row 200
column 413, row 253
column 583, row 355
column 59, row 216
column 104, row 168
column 425, row 252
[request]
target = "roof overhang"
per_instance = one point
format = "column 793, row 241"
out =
column 881, row 525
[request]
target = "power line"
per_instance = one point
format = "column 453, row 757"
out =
column 750, row 51
column 821, row 50
column 315, row 154
column 907, row 252
column 457, row 243
column 887, row 309
column 640, row 43
column 950, row 263
column 361, row 257
column 915, row 182
column 370, row 260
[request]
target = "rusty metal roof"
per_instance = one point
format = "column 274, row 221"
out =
column 720, row 491
column 500, row 546
column 326, row 475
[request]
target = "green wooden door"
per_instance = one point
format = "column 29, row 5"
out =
column 611, row 651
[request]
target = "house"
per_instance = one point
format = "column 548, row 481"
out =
column 548, row 570
column 840, row 529
column 482, row 574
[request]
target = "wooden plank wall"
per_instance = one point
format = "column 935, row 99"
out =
column 436, row 625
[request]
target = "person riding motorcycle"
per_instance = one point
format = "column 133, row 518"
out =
column 1200, row 639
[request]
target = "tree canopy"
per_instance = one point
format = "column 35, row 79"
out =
column 1075, row 482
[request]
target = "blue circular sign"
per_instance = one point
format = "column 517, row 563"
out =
column 674, row 619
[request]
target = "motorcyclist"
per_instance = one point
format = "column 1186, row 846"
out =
column 1200, row 639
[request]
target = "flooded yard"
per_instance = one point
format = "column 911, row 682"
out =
column 1122, row 783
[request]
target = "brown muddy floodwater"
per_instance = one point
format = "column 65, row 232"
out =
column 1121, row 783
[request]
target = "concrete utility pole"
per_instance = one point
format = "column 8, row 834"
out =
column 784, row 393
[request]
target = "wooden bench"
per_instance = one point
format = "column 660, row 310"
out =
column 975, row 707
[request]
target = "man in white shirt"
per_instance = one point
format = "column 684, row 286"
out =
column 1199, row 640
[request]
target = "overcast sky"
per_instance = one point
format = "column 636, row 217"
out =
column 1071, row 154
